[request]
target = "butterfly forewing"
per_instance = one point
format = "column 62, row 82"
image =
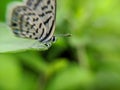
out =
column 46, row 10
column 26, row 23
column 34, row 19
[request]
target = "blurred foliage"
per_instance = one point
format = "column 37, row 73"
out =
column 89, row 60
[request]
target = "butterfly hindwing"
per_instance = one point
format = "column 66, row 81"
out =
column 26, row 23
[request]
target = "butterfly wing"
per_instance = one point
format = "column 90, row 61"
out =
column 46, row 10
column 26, row 23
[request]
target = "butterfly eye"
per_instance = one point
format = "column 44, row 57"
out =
column 53, row 39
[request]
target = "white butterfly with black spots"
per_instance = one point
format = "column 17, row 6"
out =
column 34, row 19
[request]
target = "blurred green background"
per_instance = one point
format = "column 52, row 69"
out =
column 89, row 60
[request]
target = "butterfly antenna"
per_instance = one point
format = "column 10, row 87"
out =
column 64, row 35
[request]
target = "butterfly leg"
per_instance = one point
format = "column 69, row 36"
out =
column 16, row 32
column 40, row 45
column 47, row 45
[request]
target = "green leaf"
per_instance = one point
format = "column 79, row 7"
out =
column 11, row 43
column 10, row 72
column 73, row 78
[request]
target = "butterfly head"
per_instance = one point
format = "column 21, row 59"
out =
column 53, row 39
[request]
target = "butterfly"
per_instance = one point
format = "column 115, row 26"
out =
column 34, row 19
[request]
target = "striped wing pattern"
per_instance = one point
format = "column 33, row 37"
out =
column 26, row 23
column 35, row 20
column 46, row 10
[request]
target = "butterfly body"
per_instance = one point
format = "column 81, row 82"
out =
column 35, row 20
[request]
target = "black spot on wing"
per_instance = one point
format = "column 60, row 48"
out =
column 31, row 13
column 36, row 38
column 48, row 2
column 37, row 3
column 27, row 18
column 41, row 15
column 52, row 7
column 21, row 22
column 30, row 36
column 32, row 26
column 27, row 32
column 43, row 30
column 40, row 25
column 26, row 24
column 34, row 34
column 47, row 20
column 44, row 7
column 29, row 2
column 14, row 24
column 48, row 12
column 37, row 30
